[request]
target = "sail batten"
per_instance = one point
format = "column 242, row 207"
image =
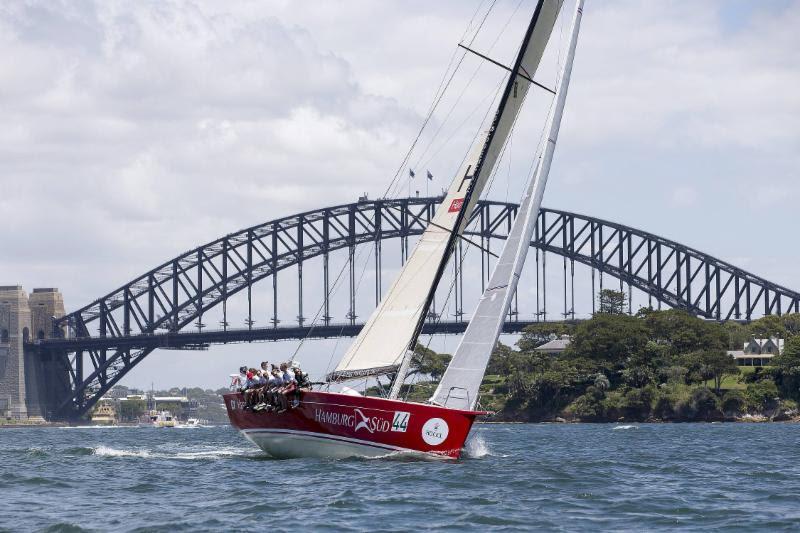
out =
column 461, row 381
column 389, row 336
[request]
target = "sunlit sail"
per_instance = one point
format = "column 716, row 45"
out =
column 459, row 386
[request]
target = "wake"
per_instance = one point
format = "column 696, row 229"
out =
column 216, row 454
column 477, row 448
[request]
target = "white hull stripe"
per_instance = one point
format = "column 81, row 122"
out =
column 330, row 437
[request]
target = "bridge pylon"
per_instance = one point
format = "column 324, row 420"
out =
column 15, row 321
column 27, row 379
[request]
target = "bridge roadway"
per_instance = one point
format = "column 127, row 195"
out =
column 189, row 340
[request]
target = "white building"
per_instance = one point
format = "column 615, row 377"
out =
column 555, row 346
column 758, row 352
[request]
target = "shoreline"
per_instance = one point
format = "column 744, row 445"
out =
column 740, row 420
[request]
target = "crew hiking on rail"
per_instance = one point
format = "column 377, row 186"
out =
column 271, row 387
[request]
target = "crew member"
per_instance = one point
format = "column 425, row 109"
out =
column 288, row 387
column 301, row 383
column 242, row 380
column 251, row 386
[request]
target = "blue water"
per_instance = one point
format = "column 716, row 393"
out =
column 516, row 477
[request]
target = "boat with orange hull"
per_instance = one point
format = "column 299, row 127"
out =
column 335, row 425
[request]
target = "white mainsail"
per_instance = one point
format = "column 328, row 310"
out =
column 391, row 331
column 459, row 386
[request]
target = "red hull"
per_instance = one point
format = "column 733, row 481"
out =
column 327, row 424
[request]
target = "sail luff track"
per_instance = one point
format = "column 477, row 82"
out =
column 461, row 382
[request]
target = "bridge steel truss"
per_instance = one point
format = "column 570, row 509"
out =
column 120, row 329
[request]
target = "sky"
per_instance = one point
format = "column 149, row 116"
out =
column 133, row 131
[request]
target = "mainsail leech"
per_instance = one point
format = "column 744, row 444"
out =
column 459, row 386
column 385, row 341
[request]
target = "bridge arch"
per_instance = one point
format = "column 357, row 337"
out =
column 178, row 292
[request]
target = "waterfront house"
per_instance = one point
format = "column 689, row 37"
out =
column 758, row 352
column 555, row 346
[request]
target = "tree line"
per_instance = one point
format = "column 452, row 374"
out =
column 654, row 365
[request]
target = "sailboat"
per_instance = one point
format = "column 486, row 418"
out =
column 345, row 424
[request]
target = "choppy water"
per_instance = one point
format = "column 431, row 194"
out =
column 516, row 477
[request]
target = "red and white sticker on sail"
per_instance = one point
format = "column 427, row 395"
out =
column 455, row 205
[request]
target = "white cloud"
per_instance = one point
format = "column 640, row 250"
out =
column 671, row 74
column 134, row 131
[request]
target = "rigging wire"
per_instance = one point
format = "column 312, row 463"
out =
column 438, row 95
column 489, row 185
column 530, row 176
column 481, row 127
column 330, row 293
column 437, row 99
column 460, row 127
column 358, row 284
column 464, row 90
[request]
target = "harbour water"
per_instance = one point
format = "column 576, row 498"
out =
column 515, row 477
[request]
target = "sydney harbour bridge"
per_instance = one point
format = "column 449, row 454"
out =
column 92, row 348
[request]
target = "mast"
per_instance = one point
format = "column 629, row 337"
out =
column 386, row 342
column 507, row 111
column 462, row 379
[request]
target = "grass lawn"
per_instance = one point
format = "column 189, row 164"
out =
column 733, row 382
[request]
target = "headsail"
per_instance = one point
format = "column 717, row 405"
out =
column 459, row 386
column 385, row 342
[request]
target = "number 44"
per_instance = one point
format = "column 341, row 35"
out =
column 400, row 421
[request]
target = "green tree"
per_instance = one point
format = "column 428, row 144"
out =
column 587, row 407
column 637, row 403
column 786, row 371
column 663, row 406
column 695, row 370
column 791, row 323
column 504, row 360
column 705, row 404
column 642, row 367
column 738, row 335
column 733, row 403
column 761, row 395
column 537, row 334
column 519, row 387
column 609, row 337
column 683, row 332
column 672, row 374
column 637, row 376
column 601, row 382
column 427, row 361
column 790, row 357
column 717, row 364
column 767, row 326
column 612, row 302
column 792, row 349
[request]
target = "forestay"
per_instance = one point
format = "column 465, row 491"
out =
column 459, row 386
column 392, row 329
